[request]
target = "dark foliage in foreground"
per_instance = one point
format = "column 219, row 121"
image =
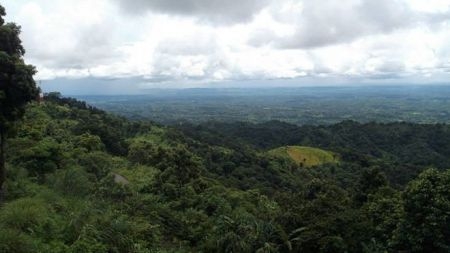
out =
column 82, row 180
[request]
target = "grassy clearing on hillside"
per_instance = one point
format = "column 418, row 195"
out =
column 306, row 156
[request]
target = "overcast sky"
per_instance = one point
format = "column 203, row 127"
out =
column 181, row 43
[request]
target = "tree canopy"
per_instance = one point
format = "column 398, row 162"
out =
column 70, row 189
column 17, row 86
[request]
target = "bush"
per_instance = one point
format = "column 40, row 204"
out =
column 15, row 241
column 73, row 181
column 97, row 163
column 24, row 214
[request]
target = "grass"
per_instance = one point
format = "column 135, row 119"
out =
column 306, row 156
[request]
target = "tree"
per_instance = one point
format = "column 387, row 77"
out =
column 382, row 213
column 370, row 181
column 425, row 224
column 17, row 86
column 180, row 166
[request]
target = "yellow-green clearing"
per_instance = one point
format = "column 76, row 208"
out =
column 306, row 156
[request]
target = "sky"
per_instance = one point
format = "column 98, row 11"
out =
column 123, row 46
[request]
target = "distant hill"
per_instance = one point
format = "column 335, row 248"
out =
column 305, row 156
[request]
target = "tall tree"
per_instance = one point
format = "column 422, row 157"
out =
column 17, row 86
column 425, row 224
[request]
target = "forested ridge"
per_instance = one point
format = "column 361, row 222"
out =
column 401, row 149
column 83, row 180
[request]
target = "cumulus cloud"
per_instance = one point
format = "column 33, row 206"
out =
column 205, row 42
column 317, row 24
column 68, row 37
column 212, row 11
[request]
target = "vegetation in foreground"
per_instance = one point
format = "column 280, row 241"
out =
column 82, row 180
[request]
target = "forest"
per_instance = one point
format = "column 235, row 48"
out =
column 75, row 178
column 83, row 180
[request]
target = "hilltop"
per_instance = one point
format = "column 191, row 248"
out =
column 305, row 156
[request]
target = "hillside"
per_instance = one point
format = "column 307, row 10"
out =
column 402, row 150
column 82, row 180
column 305, row 156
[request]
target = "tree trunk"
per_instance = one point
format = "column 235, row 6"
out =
column 2, row 163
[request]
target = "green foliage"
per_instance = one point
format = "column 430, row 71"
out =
column 108, row 188
column 17, row 86
column 90, row 142
column 400, row 150
column 24, row 214
column 305, row 156
column 426, row 221
column 44, row 157
column 72, row 181
column 98, row 163
column 141, row 177
column 245, row 233
column 71, row 190
column 370, row 181
column 144, row 152
column 179, row 166
column 14, row 241
column 382, row 212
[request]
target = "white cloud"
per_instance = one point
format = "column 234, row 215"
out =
column 209, row 41
column 209, row 11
